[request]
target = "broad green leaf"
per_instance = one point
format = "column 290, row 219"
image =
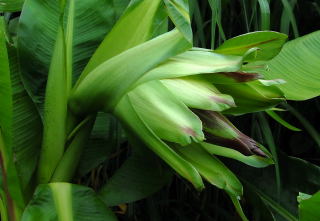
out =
column 140, row 176
column 11, row 5
column 167, row 116
column 135, row 123
column 105, row 85
column 37, row 35
column 298, row 64
column 198, row 93
column 212, row 169
column 309, row 208
column 269, row 44
column 178, row 10
column 19, row 124
column 253, row 160
column 252, row 96
column 66, row 202
column 26, row 125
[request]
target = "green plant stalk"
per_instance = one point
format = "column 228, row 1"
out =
column 69, row 45
column 69, row 162
column 54, row 131
column 13, row 212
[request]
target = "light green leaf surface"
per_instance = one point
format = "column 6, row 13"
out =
column 66, row 202
column 309, row 208
column 269, row 44
column 299, row 65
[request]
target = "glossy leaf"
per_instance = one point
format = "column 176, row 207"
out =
column 269, row 44
column 298, row 64
column 309, row 208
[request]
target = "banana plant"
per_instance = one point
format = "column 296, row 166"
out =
column 72, row 60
